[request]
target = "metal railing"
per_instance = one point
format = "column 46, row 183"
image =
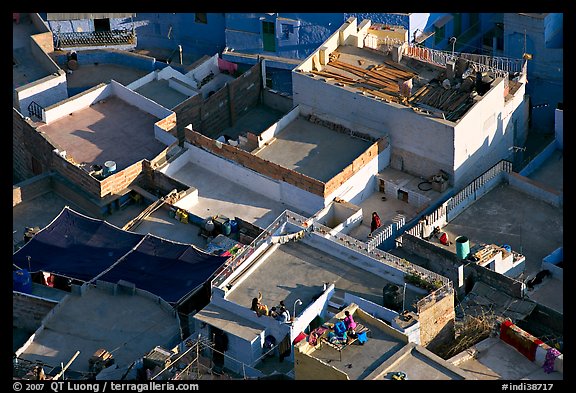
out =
column 240, row 257
column 502, row 166
column 94, row 38
column 500, row 66
column 35, row 110
column 379, row 255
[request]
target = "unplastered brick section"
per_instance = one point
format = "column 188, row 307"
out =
column 168, row 123
column 359, row 163
column 118, row 182
column 437, row 321
column 258, row 164
column 223, row 107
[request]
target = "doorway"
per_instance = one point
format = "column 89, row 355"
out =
column 269, row 36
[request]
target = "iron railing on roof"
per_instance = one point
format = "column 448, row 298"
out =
column 453, row 202
column 35, row 110
column 94, row 38
column 345, row 240
column 500, row 66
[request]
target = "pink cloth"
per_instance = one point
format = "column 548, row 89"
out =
column 349, row 322
column 225, row 65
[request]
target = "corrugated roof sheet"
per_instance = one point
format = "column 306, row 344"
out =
column 81, row 16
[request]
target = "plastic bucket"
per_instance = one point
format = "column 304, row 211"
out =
column 462, row 247
column 226, row 228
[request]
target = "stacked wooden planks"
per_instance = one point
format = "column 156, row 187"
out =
column 381, row 80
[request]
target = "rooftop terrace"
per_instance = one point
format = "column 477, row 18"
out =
column 256, row 120
column 25, row 68
column 312, row 149
column 508, row 216
column 109, row 130
column 126, row 325
column 298, row 271
column 219, row 196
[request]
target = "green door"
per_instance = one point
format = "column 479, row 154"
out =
column 269, row 36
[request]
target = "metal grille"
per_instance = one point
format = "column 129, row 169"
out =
column 94, row 38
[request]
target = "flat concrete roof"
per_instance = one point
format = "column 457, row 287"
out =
column 110, row 130
column 298, row 271
column 359, row 361
column 549, row 293
column 160, row 223
column 255, row 120
column 25, row 67
column 125, row 325
column 390, row 207
column 497, row 360
column 418, row 363
column 508, row 216
column 219, row 196
column 90, row 75
column 313, row 150
column 159, row 92
column 551, row 172
column 229, row 322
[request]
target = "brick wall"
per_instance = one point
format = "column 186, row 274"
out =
column 188, row 112
column 215, row 114
column 30, row 189
column 360, row 161
column 499, row 281
column 437, row 322
column 28, row 312
column 28, row 143
column 76, row 175
column 117, row 182
column 224, row 107
column 157, row 180
column 258, row 164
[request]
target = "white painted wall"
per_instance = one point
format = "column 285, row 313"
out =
column 138, row 83
column 45, row 92
column 181, row 87
column 163, row 136
column 363, row 183
column 139, row 101
column 76, row 103
column 204, row 69
column 355, row 258
column 423, row 136
column 318, row 307
column 273, row 189
column 485, row 134
column 177, row 164
column 277, row 127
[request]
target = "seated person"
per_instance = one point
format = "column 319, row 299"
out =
column 283, row 315
column 259, row 308
column 350, row 323
column 273, row 312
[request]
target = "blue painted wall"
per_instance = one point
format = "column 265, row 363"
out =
column 168, row 30
column 85, row 25
column 544, row 40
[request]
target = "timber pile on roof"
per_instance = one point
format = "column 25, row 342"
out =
column 383, row 80
column 453, row 102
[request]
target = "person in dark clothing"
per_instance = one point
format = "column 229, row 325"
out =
column 375, row 224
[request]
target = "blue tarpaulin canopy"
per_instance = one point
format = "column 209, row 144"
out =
column 84, row 248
